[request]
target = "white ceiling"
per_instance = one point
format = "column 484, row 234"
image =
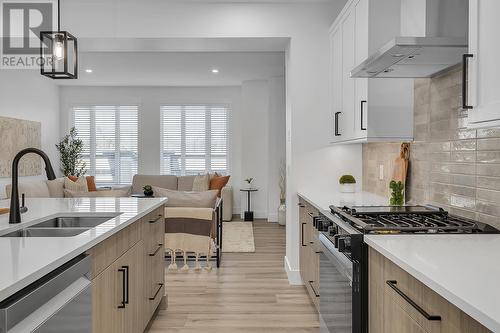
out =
column 226, row 44
column 175, row 68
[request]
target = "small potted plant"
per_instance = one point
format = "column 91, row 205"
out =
column 148, row 190
column 397, row 193
column 347, row 184
column 248, row 182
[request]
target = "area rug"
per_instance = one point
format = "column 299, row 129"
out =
column 237, row 237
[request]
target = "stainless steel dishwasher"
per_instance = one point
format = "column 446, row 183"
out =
column 61, row 301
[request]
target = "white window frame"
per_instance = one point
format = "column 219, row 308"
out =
column 91, row 169
column 207, row 155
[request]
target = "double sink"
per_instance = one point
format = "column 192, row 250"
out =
column 61, row 226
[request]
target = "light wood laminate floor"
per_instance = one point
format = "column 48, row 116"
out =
column 248, row 293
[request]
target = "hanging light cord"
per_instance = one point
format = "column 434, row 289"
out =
column 58, row 15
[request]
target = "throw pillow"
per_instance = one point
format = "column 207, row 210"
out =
column 90, row 182
column 204, row 199
column 217, row 183
column 80, row 185
column 96, row 194
column 56, row 187
column 201, row 183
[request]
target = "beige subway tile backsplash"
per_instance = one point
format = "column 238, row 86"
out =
column 450, row 166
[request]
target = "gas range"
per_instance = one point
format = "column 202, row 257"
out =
column 407, row 219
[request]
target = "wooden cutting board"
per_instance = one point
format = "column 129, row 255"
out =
column 400, row 170
column 4, row 210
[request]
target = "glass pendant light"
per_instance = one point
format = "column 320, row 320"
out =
column 59, row 52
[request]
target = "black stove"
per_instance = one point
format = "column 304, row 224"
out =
column 407, row 219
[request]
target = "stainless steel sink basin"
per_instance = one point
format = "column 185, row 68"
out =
column 61, row 226
column 74, row 222
column 46, row 232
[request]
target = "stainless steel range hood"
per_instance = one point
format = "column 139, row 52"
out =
column 433, row 39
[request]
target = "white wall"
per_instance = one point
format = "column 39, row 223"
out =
column 308, row 121
column 25, row 94
column 254, row 147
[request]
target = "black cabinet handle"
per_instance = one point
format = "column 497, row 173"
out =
column 126, row 283
column 393, row 283
column 301, row 205
column 465, row 76
column 122, row 305
column 160, row 285
column 302, row 235
column 314, row 291
column 362, row 115
column 337, row 123
column 156, row 220
column 156, row 251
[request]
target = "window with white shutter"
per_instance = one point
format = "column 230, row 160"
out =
column 193, row 139
column 110, row 137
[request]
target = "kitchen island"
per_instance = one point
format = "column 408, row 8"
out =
column 129, row 235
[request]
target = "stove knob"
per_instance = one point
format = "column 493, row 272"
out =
column 336, row 240
column 326, row 225
column 332, row 231
column 319, row 224
column 344, row 244
column 341, row 244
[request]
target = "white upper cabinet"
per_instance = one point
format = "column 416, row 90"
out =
column 365, row 110
column 482, row 94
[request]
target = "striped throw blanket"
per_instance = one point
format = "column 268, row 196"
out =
column 189, row 230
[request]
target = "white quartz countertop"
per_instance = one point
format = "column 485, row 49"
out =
column 321, row 200
column 461, row 268
column 26, row 259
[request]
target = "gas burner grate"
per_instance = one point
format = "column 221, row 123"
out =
column 415, row 222
column 408, row 219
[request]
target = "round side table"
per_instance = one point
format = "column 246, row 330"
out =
column 248, row 212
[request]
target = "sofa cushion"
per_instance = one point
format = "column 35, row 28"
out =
column 56, row 187
column 96, row 194
column 201, row 183
column 185, row 183
column 163, row 181
column 187, row 199
column 90, row 182
column 80, row 185
column 35, row 189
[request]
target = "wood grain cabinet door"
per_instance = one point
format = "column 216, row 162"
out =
column 117, row 295
column 107, row 297
column 133, row 314
column 398, row 302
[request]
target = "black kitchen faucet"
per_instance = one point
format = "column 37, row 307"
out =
column 15, row 212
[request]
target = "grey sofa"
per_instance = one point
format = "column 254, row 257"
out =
column 182, row 183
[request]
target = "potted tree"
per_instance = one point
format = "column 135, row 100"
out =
column 347, row 184
column 70, row 149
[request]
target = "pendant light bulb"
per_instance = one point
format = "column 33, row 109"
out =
column 58, row 48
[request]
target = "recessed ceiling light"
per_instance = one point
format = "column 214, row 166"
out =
column 88, row 70
column 215, row 71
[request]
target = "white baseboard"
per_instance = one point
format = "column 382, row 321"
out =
column 272, row 217
column 293, row 274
